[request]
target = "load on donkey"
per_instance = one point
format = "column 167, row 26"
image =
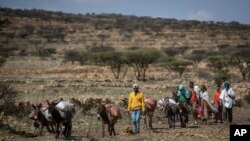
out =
column 109, row 114
column 150, row 106
column 62, row 112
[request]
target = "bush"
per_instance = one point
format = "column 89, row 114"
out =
column 23, row 52
column 71, row 56
column 247, row 98
column 7, row 100
column 218, row 62
column 25, row 31
column 95, row 49
column 2, row 61
column 221, row 76
column 134, row 48
column 171, row 51
column 238, row 102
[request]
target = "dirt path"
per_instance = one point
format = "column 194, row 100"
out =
column 207, row 132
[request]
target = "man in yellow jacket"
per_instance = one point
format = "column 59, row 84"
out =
column 136, row 106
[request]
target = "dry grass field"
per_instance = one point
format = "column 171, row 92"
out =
column 40, row 80
column 34, row 43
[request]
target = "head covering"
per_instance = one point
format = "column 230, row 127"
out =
column 181, row 87
column 136, row 86
column 226, row 84
column 197, row 89
column 203, row 87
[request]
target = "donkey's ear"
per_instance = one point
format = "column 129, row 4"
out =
column 39, row 105
column 48, row 102
column 33, row 106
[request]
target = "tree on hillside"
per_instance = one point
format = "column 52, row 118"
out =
column 171, row 51
column 52, row 33
column 140, row 61
column 116, row 61
column 182, row 49
column 103, row 37
column 218, row 62
column 176, row 65
column 238, row 57
column 196, row 56
column 241, row 59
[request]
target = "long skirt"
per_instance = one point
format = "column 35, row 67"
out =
column 218, row 115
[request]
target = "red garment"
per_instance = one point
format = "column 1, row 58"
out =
column 193, row 96
column 216, row 97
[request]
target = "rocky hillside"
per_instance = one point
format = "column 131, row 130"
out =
column 26, row 29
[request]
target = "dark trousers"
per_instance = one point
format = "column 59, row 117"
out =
column 229, row 114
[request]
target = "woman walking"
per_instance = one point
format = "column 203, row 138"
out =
column 217, row 104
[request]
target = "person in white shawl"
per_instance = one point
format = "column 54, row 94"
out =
column 205, row 103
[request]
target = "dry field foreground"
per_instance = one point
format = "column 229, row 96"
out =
column 38, row 80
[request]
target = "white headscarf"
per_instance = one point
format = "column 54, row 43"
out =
column 136, row 86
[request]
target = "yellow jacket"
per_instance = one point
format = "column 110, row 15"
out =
column 136, row 102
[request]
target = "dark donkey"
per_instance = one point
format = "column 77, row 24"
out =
column 62, row 116
column 42, row 118
column 184, row 112
column 171, row 109
column 109, row 114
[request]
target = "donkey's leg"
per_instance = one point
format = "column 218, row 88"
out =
column 66, row 126
column 170, row 122
column 41, row 130
column 48, row 128
column 150, row 121
column 113, row 129
column 110, row 129
column 69, row 129
column 173, row 119
column 181, row 120
column 57, row 130
column 145, row 122
column 52, row 127
column 103, row 129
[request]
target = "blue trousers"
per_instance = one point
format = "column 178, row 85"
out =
column 136, row 114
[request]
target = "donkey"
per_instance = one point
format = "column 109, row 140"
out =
column 150, row 106
column 62, row 117
column 184, row 112
column 109, row 114
column 42, row 118
column 171, row 109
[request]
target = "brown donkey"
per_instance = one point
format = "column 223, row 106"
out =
column 109, row 114
column 150, row 106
